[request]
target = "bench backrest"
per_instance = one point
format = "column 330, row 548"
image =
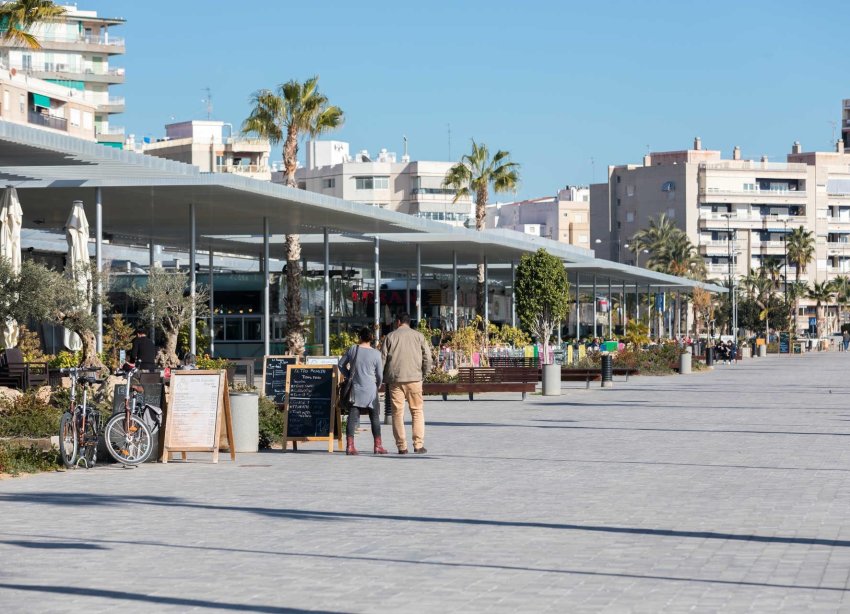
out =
column 13, row 357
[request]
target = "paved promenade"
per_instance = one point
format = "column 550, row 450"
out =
column 726, row 491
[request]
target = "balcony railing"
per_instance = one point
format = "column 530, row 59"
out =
column 112, row 41
column 48, row 121
column 114, row 130
column 754, row 193
column 243, row 169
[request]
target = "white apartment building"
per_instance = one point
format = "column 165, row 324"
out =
column 76, row 55
column 45, row 105
column 413, row 187
column 735, row 211
column 564, row 217
column 203, row 144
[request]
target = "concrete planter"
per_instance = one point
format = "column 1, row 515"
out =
column 245, row 410
column 552, row 380
column 762, row 351
column 684, row 363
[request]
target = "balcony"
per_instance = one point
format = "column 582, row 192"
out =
column 717, row 269
column 115, row 104
column 111, row 45
column 772, row 197
column 69, row 73
column 48, row 121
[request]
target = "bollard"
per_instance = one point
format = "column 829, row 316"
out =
column 388, row 406
column 607, row 371
column 709, row 357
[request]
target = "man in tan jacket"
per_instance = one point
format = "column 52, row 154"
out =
column 407, row 359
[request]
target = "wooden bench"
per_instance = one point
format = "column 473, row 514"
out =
column 579, row 375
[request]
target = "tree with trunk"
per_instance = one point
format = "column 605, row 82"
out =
column 474, row 175
column 821, row 294
column 166, row 301
column 18, row 17
column 43, row 294
column 542, row 294
column 800, row 245
column 285, row 115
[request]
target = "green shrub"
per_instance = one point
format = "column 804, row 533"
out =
column 438, row 376
column 27, row 416
column 15, row 459
column 342, row 341
column 213, row 364
column 655, row 360
column 271, row 423
column 65, row 359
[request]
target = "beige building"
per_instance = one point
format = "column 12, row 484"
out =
column 564, row 217
column 45, row 105
column 413, row 187
column 735, row 211
column 203, row 144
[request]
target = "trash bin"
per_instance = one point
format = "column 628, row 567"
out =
column 762, row 350
column 684, row 363
column 607, row 371
column 709, row 357
column 551, row 380
column 245, row 412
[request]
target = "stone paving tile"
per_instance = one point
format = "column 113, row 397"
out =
column 724, row 491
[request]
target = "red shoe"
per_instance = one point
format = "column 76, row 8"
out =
column 379, row 447
column 350, row 450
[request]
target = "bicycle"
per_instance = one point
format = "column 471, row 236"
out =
column 128, row 436
column 79, row 429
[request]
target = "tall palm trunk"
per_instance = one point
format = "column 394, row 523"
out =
column 480, row 217
column 292, row 302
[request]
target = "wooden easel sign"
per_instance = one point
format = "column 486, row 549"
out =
column 198, row 409
column 311, row 412
column 275, row 375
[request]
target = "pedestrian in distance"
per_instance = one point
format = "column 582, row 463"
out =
column 364, row 366
column 407, row 359
column 143, row 351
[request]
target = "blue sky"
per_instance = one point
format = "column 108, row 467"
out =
column 557, row 84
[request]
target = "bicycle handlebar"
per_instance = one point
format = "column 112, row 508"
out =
column 75, row 370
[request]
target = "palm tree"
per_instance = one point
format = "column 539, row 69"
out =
column 655, row 237
column 800, row 246
column 474, row 173
column 18, row 17
column 293, row 110
column 678, row 256
column 820, row 292
column 796, row 291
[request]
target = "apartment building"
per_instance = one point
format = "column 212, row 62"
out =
column 76, row 54
column 564, row 217
column 736, row 211
column 413, row 187
column 203, row 143
column 45, row 105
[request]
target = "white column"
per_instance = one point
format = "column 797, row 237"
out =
column 513, row 294
column 624, row 314
column 486, row 295
column 407, row 292
column 418, row 284
column 98, row 259
column 192, row 278
column 594, row 308
column 327, row 280
column 211, row 283
column 454, row 290
column 267, row 316
column 151, row 265
column 578, row 307
column 610, row 311
column 377, row 288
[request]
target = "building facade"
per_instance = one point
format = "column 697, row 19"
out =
column 203, row 144
column 564, row 217
column 76, row 54
column 736, row 212
column 413, row 187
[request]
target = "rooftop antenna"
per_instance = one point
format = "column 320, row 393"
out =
column 404, row 138
column 208, row 101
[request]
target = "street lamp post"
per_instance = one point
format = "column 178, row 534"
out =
column 732, row 237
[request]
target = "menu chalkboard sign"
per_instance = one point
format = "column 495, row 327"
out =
column 274, row 376
column 311, row 410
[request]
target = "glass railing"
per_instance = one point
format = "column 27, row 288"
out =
column 48, row 121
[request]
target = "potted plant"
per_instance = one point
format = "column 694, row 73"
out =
column 542, row 292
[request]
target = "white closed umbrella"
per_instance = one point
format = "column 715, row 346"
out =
column 77, row 267
column 11, row 218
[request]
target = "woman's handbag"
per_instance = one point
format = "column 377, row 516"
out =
column 346, row 392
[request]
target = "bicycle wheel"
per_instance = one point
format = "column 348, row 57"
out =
column 90, row 436
column 68, row 440
column 128, row 448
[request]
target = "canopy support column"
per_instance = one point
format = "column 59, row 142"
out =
column 513, row 294
column 377, row 288
column 211, row 283
column 486, row 295
column 595, row 301
column 578, row 307
column 98, row 259
column 454, row 290
column 624, row 314
column 610, row 311
column 418, row 284
column 151, row 265
column 266, row 291
column 192, row 279
column 407, row 292
column 327, row 287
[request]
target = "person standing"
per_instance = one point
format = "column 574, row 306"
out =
column 363, row 365
column 143, row 351
column 407, row 359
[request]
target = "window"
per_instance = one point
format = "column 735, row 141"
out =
column 618, row 202
column 372, row 183
column 329, row 183
column 630, row 216
column 630, row 190
column 87, row 120
column 582, row 239
column 22, row 103
column 75, row 117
